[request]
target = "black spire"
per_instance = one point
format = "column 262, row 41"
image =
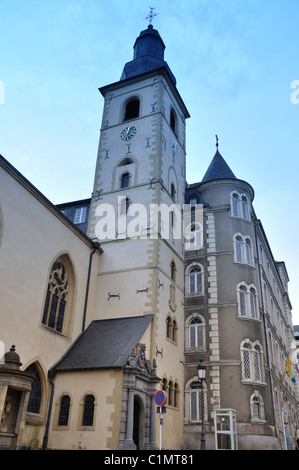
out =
column 218, row 169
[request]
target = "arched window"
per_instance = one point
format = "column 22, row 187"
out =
column 243, row 301
column 171, row 329
column 247, row 366
column 239, row 205
column 243, row 249
column 196, row 402
column 239, row 249
column 35, row 397
column 252, row 302
column 56, row 297
column 251, row 356
column 132, row 109
column 195, row 280
column 235, row 205
column 195, row 334
column 247, row 301
column 125, row 180
column 64, row 411
column 248, row 251
column 257, row 407
column 174, row 331
column 88, row 411
column 244, row 207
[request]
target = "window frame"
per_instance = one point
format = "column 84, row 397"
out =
column 252, row 362
column 52, row 317
column 247, row 298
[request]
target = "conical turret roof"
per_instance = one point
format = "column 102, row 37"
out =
column 218, row 169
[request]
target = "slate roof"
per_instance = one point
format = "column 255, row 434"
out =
column 218, row 170
column 104, row 344
column 148, row 55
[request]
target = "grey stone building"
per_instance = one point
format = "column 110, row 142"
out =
column 237, row 317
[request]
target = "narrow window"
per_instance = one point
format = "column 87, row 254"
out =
column 244, row 206
column 257, row 364
column 132, row 109
column 196, row 400
column 239, row 249
column 168, row 327
column 170, row 393
column 172, row 191
column 174, row 329
column 252, row 301
column 64, row 411
column 195, row 334
column 235, row 203
column 88, row 411
column 195, row 280
column 56, row 297
column 247, row 362
column 36, row 391
column 248, row 249
column 172, row 270
column 125, row 180
column 173, row 120
column 242, row 300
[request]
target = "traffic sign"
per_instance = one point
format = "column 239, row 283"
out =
column 160, row 398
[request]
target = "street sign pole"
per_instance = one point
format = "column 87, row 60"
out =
column 160, row 399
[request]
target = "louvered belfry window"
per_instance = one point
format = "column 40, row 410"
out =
column 56, row 297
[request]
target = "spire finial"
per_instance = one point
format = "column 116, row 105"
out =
column 151, row 15
column 217, row 142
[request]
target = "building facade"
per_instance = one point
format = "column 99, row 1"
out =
column 109, row 299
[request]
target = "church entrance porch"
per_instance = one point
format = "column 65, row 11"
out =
column 138, row 419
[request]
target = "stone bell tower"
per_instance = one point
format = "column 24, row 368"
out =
column 136, row 208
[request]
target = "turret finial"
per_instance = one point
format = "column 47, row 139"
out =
column 217, row 142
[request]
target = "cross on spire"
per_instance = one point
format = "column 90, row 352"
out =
column 151, row 15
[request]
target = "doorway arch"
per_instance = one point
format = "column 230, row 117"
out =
column 138, row 423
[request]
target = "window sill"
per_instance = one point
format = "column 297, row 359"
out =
column 253, row 382
column 244, row 317
column 240, row 263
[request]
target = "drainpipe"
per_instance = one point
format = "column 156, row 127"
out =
column 256, row 223
column 95, row 247
column 46, row 436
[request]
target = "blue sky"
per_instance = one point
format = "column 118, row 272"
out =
column 234, row 61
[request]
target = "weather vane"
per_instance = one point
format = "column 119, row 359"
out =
column 151, row 15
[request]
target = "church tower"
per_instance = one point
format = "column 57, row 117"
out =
column 136, row 210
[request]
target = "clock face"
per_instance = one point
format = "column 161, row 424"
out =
column 128, row 132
